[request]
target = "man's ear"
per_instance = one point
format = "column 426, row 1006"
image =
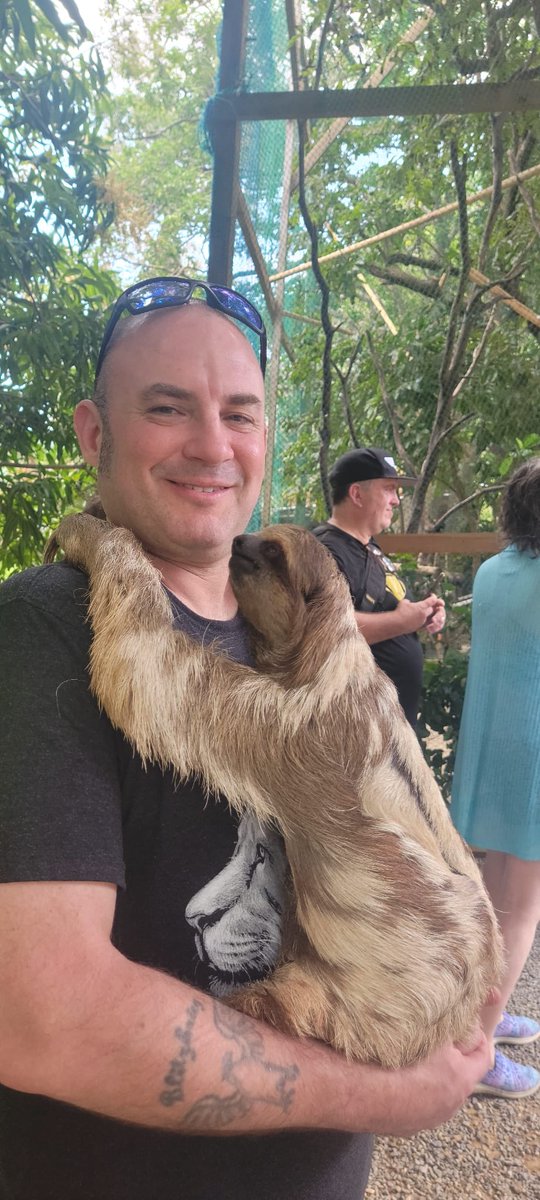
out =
column 355, row 494
column 89, row 429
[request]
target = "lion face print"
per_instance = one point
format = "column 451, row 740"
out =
column 237, row 915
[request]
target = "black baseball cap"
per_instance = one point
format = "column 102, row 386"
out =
column 356, row 466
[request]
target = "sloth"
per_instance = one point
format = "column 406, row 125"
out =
column 391, row 944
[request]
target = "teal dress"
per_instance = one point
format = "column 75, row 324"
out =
column 496, row 791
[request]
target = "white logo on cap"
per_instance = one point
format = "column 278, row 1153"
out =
column 388, row 459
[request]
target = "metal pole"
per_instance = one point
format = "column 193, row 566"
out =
column 226, row 144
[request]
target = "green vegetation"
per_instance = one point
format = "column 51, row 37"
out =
column 52, row 153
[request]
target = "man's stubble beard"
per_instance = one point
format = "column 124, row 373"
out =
column 106, row 449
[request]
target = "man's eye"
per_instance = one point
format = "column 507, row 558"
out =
column 164, row 410
column 240, row 418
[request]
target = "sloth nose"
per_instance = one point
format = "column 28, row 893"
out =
column 245, row 545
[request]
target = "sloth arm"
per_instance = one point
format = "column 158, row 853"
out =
column 84, row 1025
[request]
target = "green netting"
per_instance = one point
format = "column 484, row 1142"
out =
column 499, row 410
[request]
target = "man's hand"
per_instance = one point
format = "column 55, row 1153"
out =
column 408, row 617
column 428, row 1094
column 419, row 614
column 438, row 617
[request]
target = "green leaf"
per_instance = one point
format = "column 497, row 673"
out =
column 22, row 8
column 49, row 11
column 75, row 15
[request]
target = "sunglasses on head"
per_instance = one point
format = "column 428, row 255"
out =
column 172, row 291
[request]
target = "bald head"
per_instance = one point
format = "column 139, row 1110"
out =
column 196, row 317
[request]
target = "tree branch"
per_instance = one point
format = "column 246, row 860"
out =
column 402, row 453
column 476, row 355
column 451, row 429
column 391, row 275
column 497, row 121
column 448, row 358
column 328, row 328
column 322, row 43
column 525, row 195
column 344, row 377
column 151, row 137
column 494, row 487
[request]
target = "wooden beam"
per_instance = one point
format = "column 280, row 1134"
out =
column 440, row 543
column 225, row 140
column 252, row 243
column 278, row 331
column 518, row 95
column 296, row 44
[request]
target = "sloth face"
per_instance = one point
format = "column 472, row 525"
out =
column 279, row 576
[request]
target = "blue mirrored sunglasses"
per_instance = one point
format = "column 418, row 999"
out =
column 170, row 291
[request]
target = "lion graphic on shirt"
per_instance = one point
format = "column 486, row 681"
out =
column 238, row 915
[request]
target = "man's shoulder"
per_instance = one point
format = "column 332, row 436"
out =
column 57, row 588
column 342, row 544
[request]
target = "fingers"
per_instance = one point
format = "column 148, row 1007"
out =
column 475, row 1042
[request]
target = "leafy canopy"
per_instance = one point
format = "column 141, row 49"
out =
column 52, row 289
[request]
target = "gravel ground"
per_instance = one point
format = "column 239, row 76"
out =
column 489, row 1151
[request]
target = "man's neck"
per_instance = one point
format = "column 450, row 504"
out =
column 354, row 530
column 206, row 590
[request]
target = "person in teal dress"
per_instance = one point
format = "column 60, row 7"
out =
column 496, row 788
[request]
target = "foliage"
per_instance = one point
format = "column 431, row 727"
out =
column 441, row 707
column 52, row 154
column 454, row 387
column 164, row 59
column 18, row 17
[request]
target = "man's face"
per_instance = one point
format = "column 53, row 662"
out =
column 185, row 412
column 379, row 498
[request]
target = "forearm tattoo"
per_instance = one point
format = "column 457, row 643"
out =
column 247, row 1077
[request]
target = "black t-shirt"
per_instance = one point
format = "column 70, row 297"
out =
column 77, row 804
column 376, row 587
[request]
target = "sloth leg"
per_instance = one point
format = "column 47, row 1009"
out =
column 296, row 1002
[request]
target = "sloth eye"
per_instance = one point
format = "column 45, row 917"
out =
column 272, row 551
column 311, row 594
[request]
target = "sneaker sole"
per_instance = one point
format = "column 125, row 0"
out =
column 516, row 1041
column 486, row 1089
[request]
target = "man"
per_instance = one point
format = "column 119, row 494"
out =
column 124, row 1076
column 364, row 485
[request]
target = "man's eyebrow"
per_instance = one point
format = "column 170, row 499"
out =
column 247, row 398
column 176, row 393
column 166, row 389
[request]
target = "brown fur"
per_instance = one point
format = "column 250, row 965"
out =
column 393, row 943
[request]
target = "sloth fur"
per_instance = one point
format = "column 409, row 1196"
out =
column 391, row 943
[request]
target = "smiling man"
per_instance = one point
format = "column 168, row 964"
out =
column 364, row 484
column 184, row 443
column 129, row 898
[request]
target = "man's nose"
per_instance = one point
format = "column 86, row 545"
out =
column 209, row 440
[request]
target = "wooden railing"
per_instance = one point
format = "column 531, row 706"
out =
column 440, row 543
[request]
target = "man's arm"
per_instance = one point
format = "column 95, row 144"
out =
column 82, row 1024
column 408, row 617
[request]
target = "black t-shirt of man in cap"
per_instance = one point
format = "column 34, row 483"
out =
column 364, row 485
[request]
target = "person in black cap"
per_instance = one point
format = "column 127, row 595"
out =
column 364, row 485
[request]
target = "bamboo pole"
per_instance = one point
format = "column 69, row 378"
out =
column 506, row 298
column 415, row 223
